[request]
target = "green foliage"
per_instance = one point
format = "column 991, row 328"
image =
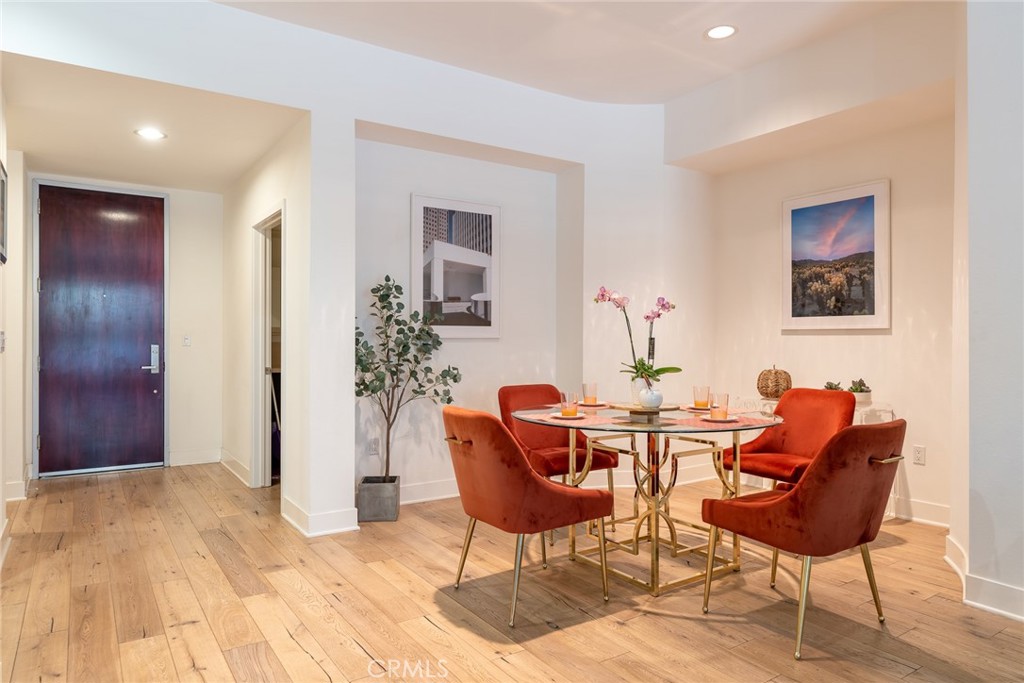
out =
column 641, row 369
column 859, row 386
column 392, row 366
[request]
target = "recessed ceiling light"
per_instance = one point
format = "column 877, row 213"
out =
column 150, row 133
column 720, row 32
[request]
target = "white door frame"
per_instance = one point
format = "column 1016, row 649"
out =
column 260, row 465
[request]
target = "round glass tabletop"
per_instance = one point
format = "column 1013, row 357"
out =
column 678, row 421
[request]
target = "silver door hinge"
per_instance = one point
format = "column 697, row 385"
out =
column 39, row 442
column 39, row 363
column 39, row 284
column 39, row 207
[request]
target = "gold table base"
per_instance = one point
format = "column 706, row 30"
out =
column 656, row 491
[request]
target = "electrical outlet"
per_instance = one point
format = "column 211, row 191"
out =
column 919, row 455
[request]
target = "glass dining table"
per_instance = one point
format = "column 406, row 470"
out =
column 666, row 428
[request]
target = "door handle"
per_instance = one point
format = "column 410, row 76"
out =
column 154, row 360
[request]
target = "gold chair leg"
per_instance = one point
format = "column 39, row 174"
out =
column 543, row 551
column 604, row 558
column 611, row 489
column 515, row 578
column 871, row 580
column 465, row 549
column 775, row 565
column 712, row 548
column 805, row 581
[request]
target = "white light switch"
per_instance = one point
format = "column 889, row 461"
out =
column 186, row 341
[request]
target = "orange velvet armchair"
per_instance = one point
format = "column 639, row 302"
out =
column 811, row 417
column 838, row 504
column 547, row 448
column 499, row 487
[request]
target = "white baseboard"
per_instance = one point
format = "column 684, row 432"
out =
column 200, row 457
column 956, row 558
column 239, row 469
column 321, row 524
column 15, row 490
column 993, row 596
column 430, row 490
column 922, row 511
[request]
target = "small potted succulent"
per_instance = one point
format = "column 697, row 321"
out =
column 833, row 386
column 861, row 391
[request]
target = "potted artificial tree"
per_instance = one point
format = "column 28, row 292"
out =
column 392, row 370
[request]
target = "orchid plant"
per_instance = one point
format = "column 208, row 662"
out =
column 640, row 368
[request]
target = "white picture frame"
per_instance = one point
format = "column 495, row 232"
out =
column 835, row 259
column 456, row 266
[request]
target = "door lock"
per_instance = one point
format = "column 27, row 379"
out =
column 154, row 360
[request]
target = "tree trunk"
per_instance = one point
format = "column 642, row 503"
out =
column 387, row 448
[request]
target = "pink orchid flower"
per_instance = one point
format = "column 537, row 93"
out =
column 640, row 368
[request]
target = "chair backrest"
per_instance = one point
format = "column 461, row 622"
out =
column 497, row 485
column 840, row 501
column 522, row 396
column 812, row 417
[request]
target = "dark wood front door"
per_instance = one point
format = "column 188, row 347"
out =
column 101, row 312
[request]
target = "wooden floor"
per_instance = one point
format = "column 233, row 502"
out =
column 185, row 574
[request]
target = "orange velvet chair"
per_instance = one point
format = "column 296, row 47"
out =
column 838, row 504
column 811, row 417
column 499, row 487
column 547, row 448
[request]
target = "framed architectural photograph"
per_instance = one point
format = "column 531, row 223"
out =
column 835, row 259
column 3, row 213
column 455, row 265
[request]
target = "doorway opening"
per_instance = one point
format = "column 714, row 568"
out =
column 268, row 336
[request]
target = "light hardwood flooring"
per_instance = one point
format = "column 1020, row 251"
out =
column 186, row 574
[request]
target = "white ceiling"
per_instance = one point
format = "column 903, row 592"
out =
column 78, row 122
column 622, row 52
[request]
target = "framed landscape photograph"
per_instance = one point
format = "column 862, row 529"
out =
column 455, row 265
column 835, row 259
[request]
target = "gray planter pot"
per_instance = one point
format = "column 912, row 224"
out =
column 377, row 499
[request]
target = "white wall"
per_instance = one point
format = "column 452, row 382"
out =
column 3, row 358
column 195, row 309
column 386, row 176
column 907, row 366
column 279, row 179
column 995, row 162
column 17, row 316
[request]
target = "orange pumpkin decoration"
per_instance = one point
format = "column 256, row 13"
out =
column 773, row 383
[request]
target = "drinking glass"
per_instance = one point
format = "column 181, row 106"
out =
column 700, row 396
column 568, row 401
column 720, row 407
column 589, row 393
